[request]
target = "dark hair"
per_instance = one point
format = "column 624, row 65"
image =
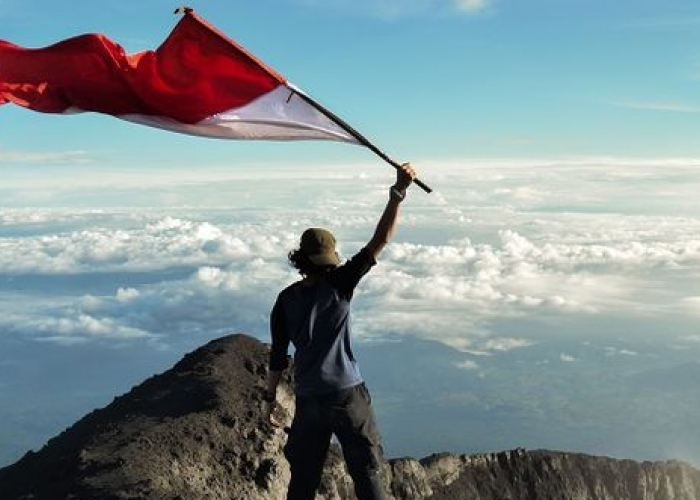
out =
column 300, row 261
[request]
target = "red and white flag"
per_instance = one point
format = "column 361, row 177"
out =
column 197, row 82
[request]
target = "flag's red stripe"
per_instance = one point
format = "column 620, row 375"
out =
column 214, row 30
column 197, row 72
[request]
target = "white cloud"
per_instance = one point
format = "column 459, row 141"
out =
column 391, row 9
column 692, row 304
column 566, row 358
column 615, row 351
column 520, row 275
column 521, row 193
column 69, row 326
column 504, row 344
column 44, row 157
column 127, row 294
column 212, row 300
column 39, row 216
column 472, row 5
column 467, row 364
column 670, row 107
column 160, row 244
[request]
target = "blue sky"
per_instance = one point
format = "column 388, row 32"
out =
column 544, row 296
column 425, row 79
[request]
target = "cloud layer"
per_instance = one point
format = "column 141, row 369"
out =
column 230, row 275
column 497, row 242
column 546, row 289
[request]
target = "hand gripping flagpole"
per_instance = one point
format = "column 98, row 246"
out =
column 357, row 135
column 336, row 119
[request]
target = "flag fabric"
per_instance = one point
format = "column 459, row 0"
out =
column 197, row 82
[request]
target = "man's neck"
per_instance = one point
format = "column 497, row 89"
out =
column 309, row 280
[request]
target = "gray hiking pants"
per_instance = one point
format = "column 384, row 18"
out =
column 347, row 414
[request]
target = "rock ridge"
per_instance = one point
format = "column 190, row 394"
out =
column 194, row 433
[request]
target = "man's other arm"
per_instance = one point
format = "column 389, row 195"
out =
column 278, row 360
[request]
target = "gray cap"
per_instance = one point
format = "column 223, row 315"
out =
column 319, row 246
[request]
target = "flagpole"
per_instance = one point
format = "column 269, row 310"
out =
column 357, row 135
column 332, row 116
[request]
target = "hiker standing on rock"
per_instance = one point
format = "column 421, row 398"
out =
column 331, row 397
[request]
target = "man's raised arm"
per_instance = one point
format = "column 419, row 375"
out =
column 388, row 221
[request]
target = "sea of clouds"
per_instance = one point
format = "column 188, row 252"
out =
column 528, row 269
column 492, row 242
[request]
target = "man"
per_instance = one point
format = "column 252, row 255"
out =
column 331, row 397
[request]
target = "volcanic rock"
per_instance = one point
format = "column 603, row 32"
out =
column 195, row 432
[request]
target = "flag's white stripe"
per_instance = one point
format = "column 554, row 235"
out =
column 277, row 115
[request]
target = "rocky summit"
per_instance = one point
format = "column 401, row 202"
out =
column 195, row 432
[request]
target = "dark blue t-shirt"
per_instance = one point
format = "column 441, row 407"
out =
column 316, row 319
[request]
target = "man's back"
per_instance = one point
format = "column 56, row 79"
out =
column 315, row 316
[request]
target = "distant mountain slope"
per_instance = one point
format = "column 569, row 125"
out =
column 194, row 432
